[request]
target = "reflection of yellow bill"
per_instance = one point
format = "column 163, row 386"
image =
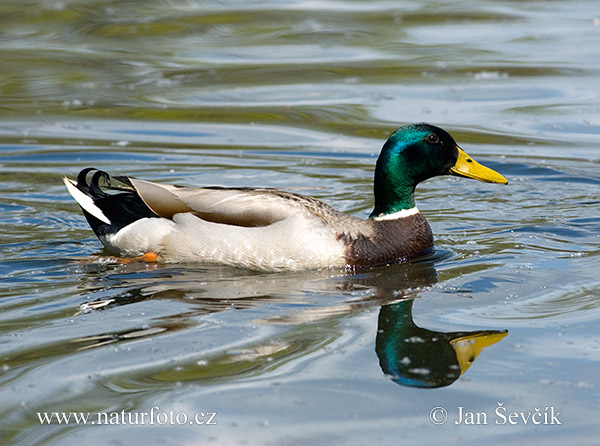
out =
column 468, row 347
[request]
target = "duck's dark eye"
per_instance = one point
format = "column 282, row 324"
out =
column 432, row 138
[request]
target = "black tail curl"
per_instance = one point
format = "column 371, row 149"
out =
column 92, row 188
column 122, row 206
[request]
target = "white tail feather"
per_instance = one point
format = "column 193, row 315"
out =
column 85, row 201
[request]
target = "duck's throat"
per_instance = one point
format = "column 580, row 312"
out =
column 394, row 203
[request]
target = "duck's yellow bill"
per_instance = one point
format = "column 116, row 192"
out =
column 467, row 167
column 468, row 347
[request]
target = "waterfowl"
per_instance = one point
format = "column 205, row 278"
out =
column 272, row 230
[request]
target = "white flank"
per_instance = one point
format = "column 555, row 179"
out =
column 85, row 201
column 400, row 214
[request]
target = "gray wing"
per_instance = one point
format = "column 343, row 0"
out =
column 235, row 206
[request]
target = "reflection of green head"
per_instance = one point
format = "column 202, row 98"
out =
column 416, row 357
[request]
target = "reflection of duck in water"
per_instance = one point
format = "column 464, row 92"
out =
column 411, row 355
column 417, row 357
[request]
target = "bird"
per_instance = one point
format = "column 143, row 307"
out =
column 268, row 229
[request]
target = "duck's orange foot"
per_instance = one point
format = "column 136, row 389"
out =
column 149, row 257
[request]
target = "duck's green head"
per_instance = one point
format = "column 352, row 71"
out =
column 415, row 153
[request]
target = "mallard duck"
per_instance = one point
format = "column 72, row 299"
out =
column 272, row 230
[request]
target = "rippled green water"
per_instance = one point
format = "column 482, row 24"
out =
column 301, row 95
